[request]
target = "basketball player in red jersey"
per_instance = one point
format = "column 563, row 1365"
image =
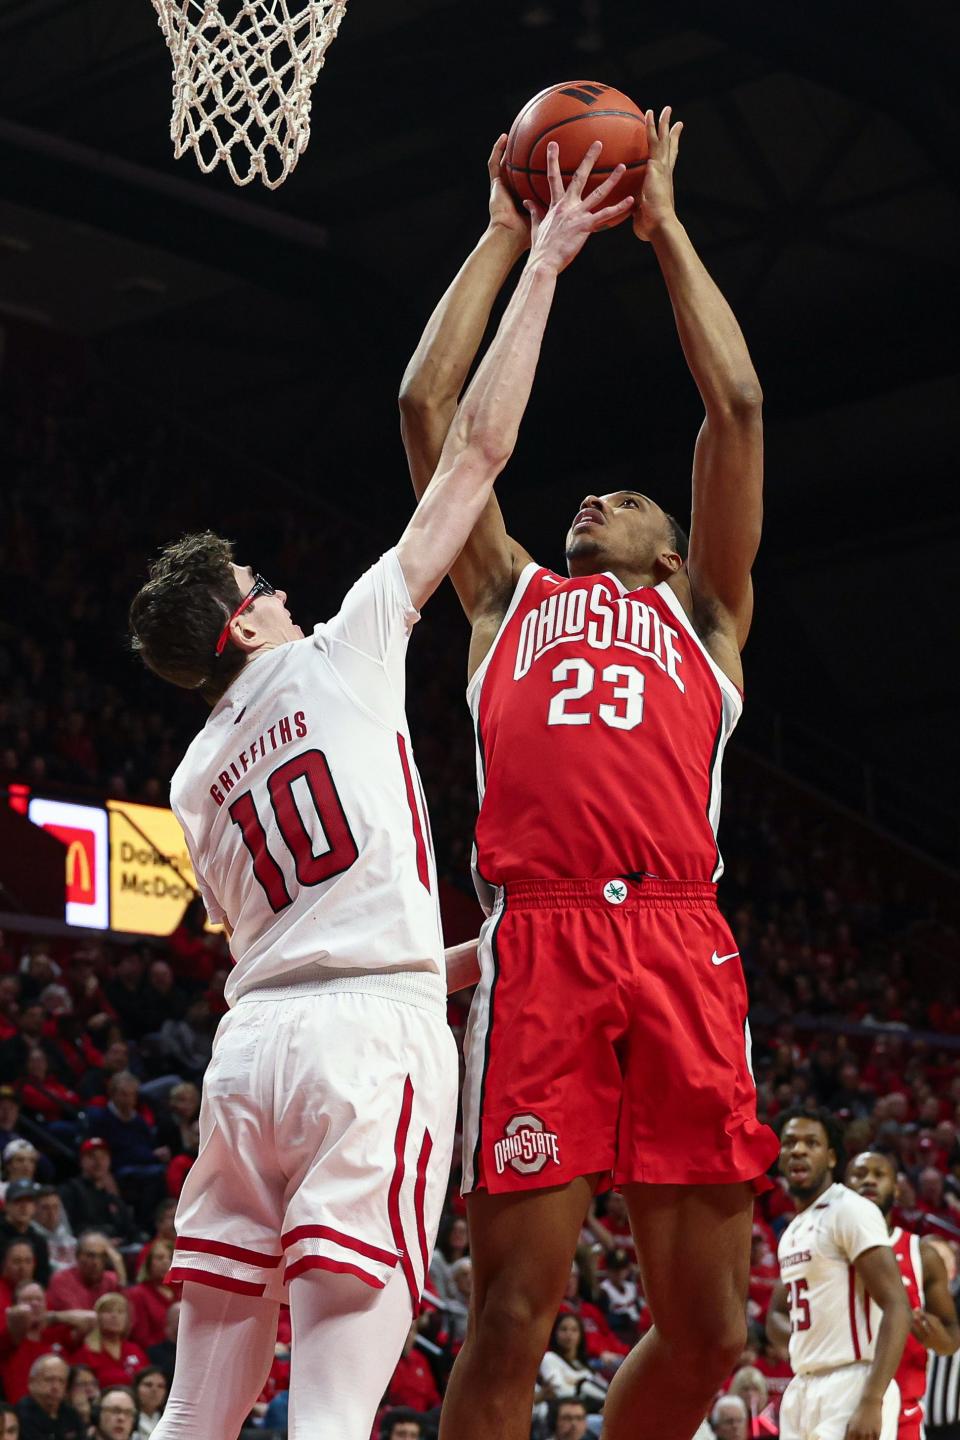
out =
column 934, row 1316
column 608, row 1035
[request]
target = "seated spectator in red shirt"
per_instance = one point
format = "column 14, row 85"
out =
column 932, row 1199
column 413, row 1384
column 602, row 1345
column 110, row 1355
column 150, row 1298
column 98, row 1271
column 18, row 1264
column 43, row 1094
column 764, row 1275
column 30, row 1330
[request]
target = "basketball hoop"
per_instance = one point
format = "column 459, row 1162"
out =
column 243, row 74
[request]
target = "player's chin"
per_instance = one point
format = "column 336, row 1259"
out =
column 583, row 547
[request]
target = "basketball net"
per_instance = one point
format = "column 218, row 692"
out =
column 243, row 73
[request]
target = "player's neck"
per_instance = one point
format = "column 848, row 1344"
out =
column 808, row 1200
column 629, row 578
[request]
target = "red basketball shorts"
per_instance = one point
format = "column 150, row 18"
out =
column 609, row 1035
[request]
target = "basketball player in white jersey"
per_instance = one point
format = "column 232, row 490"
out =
column 328, row 1106
column 841, row 1299
column 933, row 1323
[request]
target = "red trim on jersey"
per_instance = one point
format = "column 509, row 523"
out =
column 423, row 869
column 853, row 1312
column 326, row 1232
column 419, row 1196
column 336, row 1267
column 229, row 1252
column 866, row 1306
column 393, row 1196
column 179, row 1273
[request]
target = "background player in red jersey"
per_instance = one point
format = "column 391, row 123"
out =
column 933, row 1324
column 608, row 1035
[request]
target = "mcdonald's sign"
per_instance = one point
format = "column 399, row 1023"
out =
column 82, row 829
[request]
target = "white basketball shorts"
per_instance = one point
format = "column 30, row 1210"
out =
column 819, row 1407
column 326, row 1131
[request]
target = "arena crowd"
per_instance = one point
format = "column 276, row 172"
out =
column 103, row 1043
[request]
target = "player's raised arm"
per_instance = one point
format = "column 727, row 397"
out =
column 484, row 429
column 727, row 507
column 435, row 376
column 881, row 1278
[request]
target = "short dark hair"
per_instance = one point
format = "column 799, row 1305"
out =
column 831, row 1128
column 177, row 616
column 401, row 1416
column 679, row 538
column 581, row 1343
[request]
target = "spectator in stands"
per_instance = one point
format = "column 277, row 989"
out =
column 16, row 1223
column 165, row 1000
column 568, row 1419
column 126, row 994
column 52, row 1222
column 164, row 1354
column 604, row 1348
column 112, row 1357
column 9, row 1423
column 401, row 1424
column 44, row 1413
column 98, row 1272
column 116, row 1060
column 150, row 1388
column 116, row 1414
column 461, row 1275
column 9, row 1116
column 31, row 1330
column 749, row 1384
column 413, row 1384
column 150, row 1298
column 19, row 1263
column 19, row 1163
column 565, row 1370
column 83, row 1392
column 47, row 1098
column 620, row 1297
column 92, row 1199
column 729, row 1418
column 187, row 1043
column 453, row 1242
column 932, row 1199
column 137, row 1159
column 181, row 1131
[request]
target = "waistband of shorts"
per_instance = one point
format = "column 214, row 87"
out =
column 607, row 894
column 410, row 987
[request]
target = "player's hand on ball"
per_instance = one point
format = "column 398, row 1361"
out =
column 864, row 1423
column 559, row 233
column 655, row 201
column 504, row 214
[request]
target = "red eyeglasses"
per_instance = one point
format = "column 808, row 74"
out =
column 260, row 587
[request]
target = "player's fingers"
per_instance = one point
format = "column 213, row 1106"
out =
column 496, row 157
column 591, row 201
column 554, row 178
column 663, row 125
column 653, row 138
column 675, row 132
column 612, row 212
column 579, row 177
column 536, row 215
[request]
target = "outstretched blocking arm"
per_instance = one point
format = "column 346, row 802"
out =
column 487, row 567
column 727, row 507
column 484, row 429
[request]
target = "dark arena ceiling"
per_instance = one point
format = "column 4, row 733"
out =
column 818, row 176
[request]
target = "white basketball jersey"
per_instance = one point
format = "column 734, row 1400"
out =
column 831, row 1322
column 302, row 808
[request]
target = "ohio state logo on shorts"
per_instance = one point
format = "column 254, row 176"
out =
column 526, row 1146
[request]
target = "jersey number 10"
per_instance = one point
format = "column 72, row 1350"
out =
column 317, row 788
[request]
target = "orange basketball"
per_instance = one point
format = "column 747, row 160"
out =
column 574, row 114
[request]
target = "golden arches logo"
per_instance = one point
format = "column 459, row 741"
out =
column 78, row 859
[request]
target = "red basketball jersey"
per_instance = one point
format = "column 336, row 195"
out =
column 912, row 1374
column 601, row 723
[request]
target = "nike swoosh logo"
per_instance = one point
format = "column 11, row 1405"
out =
column 719, row 959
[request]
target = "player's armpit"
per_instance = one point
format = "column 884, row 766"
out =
column 727, row 511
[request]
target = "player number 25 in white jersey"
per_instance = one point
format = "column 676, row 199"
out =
column 833, row 1321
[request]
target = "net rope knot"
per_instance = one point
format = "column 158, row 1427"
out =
column 243, row 76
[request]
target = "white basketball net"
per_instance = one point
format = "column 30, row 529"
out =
column 243, row 72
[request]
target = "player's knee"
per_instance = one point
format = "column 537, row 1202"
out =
column 512, row 1328
column 709, row 1346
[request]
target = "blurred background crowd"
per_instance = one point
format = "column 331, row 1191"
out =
column 848, row 941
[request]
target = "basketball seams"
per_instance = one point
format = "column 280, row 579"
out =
column 576, row 120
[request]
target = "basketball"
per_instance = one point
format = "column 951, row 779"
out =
column 574, row 114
